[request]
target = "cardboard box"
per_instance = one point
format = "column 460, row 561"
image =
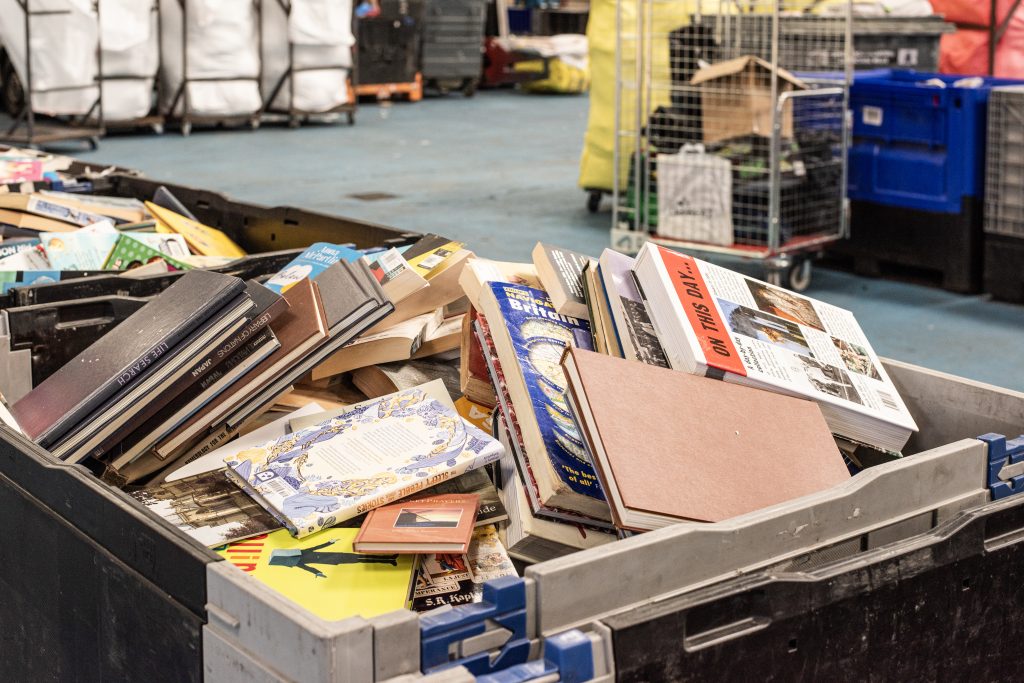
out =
column 736, row 97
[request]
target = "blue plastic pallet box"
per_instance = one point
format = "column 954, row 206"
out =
column 918, row 144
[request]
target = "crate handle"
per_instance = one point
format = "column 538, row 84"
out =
column 568, row 655
column 1005, row 465
column 443, row 631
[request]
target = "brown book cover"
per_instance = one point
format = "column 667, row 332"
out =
column 435, row 524
column 669, row 446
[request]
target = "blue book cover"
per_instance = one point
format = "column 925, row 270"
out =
column 539, row 335
column 310, row 263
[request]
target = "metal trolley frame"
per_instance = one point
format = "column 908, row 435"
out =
column 753, row 150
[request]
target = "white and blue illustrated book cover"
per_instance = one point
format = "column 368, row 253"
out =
column 376, row 453
column 310, row 263
column 539, row 336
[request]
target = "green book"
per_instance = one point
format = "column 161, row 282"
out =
column 129, row 253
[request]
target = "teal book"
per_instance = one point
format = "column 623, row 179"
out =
column 310, row 264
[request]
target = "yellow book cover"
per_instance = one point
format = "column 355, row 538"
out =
column 477, row 415
column 436, row 260
column 323, row 574
column 202, row 238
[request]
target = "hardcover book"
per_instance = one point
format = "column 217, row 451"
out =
column 632, row 324
column 711, row 450
column 529, row 338
column 122, row 355
column 433, row 524
column 209, row 508
column 516, row 446
column 561, row 274
column 716, row 322
column 324, row 575
column 361, row 460
column 298, row 329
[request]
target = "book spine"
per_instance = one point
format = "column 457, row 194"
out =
column 198, row 375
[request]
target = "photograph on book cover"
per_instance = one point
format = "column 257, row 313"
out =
column 857, row 359
column 784, row 304
column 641, row 333
column 829, row 379
column 428, row 518
column 764, row 327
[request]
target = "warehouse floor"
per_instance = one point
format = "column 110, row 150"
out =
column 499, row 172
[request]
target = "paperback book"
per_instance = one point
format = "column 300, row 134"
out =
column 716, row 322
column 529, row 338
column 209, row 508
column 310, row 264
column 324, row 575
column 453, row 579
column 377, row 453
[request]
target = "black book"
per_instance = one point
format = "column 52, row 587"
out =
column 353, row 303
column 267, row 305
column 192, row 400
column 123, row 355
column 125, row 405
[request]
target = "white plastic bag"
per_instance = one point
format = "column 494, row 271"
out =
column 695, row 196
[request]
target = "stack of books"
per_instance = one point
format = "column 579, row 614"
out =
column 371, row 429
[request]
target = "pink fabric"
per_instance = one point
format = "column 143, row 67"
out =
column 966, row 51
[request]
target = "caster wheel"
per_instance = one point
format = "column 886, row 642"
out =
column 469, row 87
column 186, row 129
column 594, row 201
column 254, row 124
column 351, row 118
column 294, row 122
column 158, row 128
column 798, row 277
column 94, row 143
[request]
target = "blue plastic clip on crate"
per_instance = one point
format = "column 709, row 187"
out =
column 504, row 603
column 916, row 145
column 569, row 654
column 1002, row 454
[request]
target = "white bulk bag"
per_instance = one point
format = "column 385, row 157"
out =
column 222, row 42
column 321, row 31
column 63, row 48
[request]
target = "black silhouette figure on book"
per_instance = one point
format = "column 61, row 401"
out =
column 302, row 558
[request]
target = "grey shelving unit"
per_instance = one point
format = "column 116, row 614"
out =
column 453, row 39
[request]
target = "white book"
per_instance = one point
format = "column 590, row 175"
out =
column 374, row 454
column 632, row 323
column 716, row 322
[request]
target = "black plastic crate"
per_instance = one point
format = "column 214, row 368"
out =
column 1004, row 267
column 389, row 44
column 94, row 588
column 940, row 249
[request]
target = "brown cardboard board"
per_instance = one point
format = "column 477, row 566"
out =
column 736, row 97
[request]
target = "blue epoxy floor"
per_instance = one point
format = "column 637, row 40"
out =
column 499, row 171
